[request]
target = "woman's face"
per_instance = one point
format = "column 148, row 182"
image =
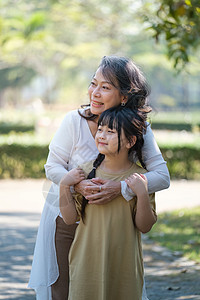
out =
column 102, row 94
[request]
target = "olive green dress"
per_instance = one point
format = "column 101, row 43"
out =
column 106, row 255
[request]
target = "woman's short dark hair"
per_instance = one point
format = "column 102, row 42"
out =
column 123, row 74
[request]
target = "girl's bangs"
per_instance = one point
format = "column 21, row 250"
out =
column 108, row 119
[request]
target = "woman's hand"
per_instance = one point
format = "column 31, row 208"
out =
column 86, row 187
column 103, row 191
column 74, row 176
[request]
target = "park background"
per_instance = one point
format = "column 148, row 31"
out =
column 49, row 52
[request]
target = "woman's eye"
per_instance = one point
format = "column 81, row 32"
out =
column 92, row 83
column 99, row 129
column 111, row 131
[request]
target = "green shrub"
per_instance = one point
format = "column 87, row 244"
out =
column 171, row 126
column 6, row 128
column 27, row 161
column 182, row 161
column 22, row 161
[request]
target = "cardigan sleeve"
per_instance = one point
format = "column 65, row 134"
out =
column 61, row 147
column 158, row 174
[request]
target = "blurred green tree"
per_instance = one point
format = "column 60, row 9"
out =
column 61, row 41
column 178, row 22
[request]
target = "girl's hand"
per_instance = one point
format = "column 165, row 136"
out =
column 104, row 191
column 73, row 177
column 144, row 217
column 138, row 183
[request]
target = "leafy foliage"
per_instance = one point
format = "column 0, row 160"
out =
column 178, row 22
column 15, row 76
column 61, row 42
column 58, row 39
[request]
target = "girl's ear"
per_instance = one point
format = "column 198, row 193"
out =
column 132, row 142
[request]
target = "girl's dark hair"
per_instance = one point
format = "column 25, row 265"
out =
column 91, row 175
column 132, row 122
column 123, row 74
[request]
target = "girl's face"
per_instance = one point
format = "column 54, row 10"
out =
column 106, row 140
column 102, row 94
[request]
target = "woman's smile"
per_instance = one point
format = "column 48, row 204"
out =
column 96, row 104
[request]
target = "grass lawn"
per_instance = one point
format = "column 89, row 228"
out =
column 179, row 231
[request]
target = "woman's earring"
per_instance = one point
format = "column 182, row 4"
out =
column 123, row 103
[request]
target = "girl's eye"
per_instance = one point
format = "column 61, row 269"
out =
column 92, row 83
column 110, row 131
column 99, row 129
column 105, row 87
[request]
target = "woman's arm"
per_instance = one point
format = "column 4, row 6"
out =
column 60, row 150
column 66, row 201
column 144, row 216
column 158, row 175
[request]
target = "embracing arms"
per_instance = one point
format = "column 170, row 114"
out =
column 60, row 154
column 157, row 175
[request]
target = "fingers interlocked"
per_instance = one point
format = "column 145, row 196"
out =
column 97, row 191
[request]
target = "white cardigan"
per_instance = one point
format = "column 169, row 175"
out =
column 73, row 145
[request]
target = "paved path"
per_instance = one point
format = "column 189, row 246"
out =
column 168, row 277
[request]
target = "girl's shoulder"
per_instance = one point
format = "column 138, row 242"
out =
column 139, row 169
column 135, row 168
column 87, row 167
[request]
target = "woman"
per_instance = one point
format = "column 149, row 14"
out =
column 116, row 81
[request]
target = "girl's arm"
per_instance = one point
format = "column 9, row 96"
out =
column 144, row 216
column 66, row 201
column 158, row 175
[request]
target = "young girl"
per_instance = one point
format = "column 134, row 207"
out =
column 106, row 256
